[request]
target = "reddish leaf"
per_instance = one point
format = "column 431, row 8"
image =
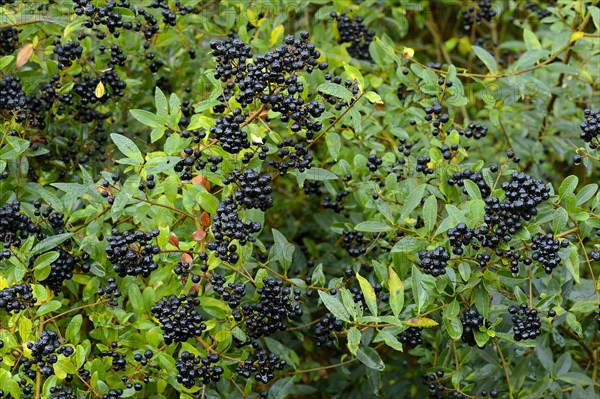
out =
column 173, row 239
column 186, row 258
column 198, row 235
column 201, row 181
column 24, row 55
column 205, row 219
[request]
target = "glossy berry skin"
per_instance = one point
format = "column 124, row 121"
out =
column 325, row 329
column 434, row 262
column 179, row 318
column 131, row 252
column 352, row 30
column 192, row 369
column 411, row 337
column 526, row 322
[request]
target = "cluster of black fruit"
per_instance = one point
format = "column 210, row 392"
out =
column 131, row 252
column 471, row 321
column 434, row 262
column 13, row 99
column 253, row 190
column 263, row 367
column 272, row 310
column 61, row 269
column 68, row 53
column 458, row 236
column 353, row 30
column 272, row 78
column 44, row 353
column 16, row 298
column 111, row 292
column 353, row 242
column 526, row 322
column 324, row 331
column 232, row 294
column 179, row 319
column 9, row 39
column 545, row 250
column 118, row 362
column 349, row 84
column 411, row 337
column 590, row 128
column 292, row 155
column 61, row 392
column 484, row 10
column 193, row 159
column 475, row 130
column 14, row 227
column 337, row 203
column 228, row 226
column 436, row 115
column 191, row 369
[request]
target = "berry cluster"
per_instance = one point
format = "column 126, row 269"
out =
column 253, row 190
column 299, row 157
column 352, row 30
column 471, row 321
column 263, row 367
column 179, row 319
column 459, row 236
column 526, row 322
column 44, row 353
column 590, row 128
column 348, row 84
column 86, row 88
column 523, row 195
column 67, row 53
column 458, row 179
column 545, row 251
column 324, row 331
column 61, row 392
column 192, row 368
column 484, row 10
column 336, row 203
column 436, row 111
column 411, row 337
column 475, row 130
column 111, row 292
column 422, row 165
column 434, row 262
column 131, row 252
column 16, row 298
column 193, row 158
column 60, row 270
column 14, row 227
column 9, row 38
column 118, row 362
column 228, row 226
column 232, row 294
column 228, row 130
column 273, row 309
column 353, row 242
column 313, row 187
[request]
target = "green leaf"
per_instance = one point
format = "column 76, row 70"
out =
column 42, row 265
column 419, row 290
column 369, row 294
column 373, row 97
column 314, row 174
column 354, row 74
column 595, row 13
column 561, row 217
column 574, row 324
column 354, row 336
column 146, row 118
column 575, row 378
column 48, row 307
column 282, row 388
column 162, row 107
column 531, row 40
column 472, row 189
column 4, row 61
column 337, row 91
column 128, row 148
column 567, row 186
column 136, row 299
column 413, row 200
column 370, row 358
column 50, row 243
column 430, row 210
column 454, row 328
column 73, row 328
column 487, row 59
column 282, row 250
column 396, row 292
column 333, row 144
column 334, row 305
column 372, row 227
column 586, row 193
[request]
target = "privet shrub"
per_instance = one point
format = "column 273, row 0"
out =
column 260, row 199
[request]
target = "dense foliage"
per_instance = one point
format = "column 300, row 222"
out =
column 271, row 199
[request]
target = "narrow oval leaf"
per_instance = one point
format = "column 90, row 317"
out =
column 334, row 305
column 370, row 358
column 396, row 292
column 369, row 293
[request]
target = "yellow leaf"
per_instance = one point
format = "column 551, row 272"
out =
column 24, row 55
column 3, row 283
column 420, row 322
column 408, row 52
column 276, row 34
column 99, row 92
column 464, row 45
column 576, row 36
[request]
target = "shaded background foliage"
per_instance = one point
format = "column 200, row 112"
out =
column 414, row 196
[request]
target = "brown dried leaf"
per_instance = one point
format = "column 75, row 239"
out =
column 173, row 239
column 198, row 235
column 205, row 219
column 202, row 181
column 24, row 55
column 186, row 258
